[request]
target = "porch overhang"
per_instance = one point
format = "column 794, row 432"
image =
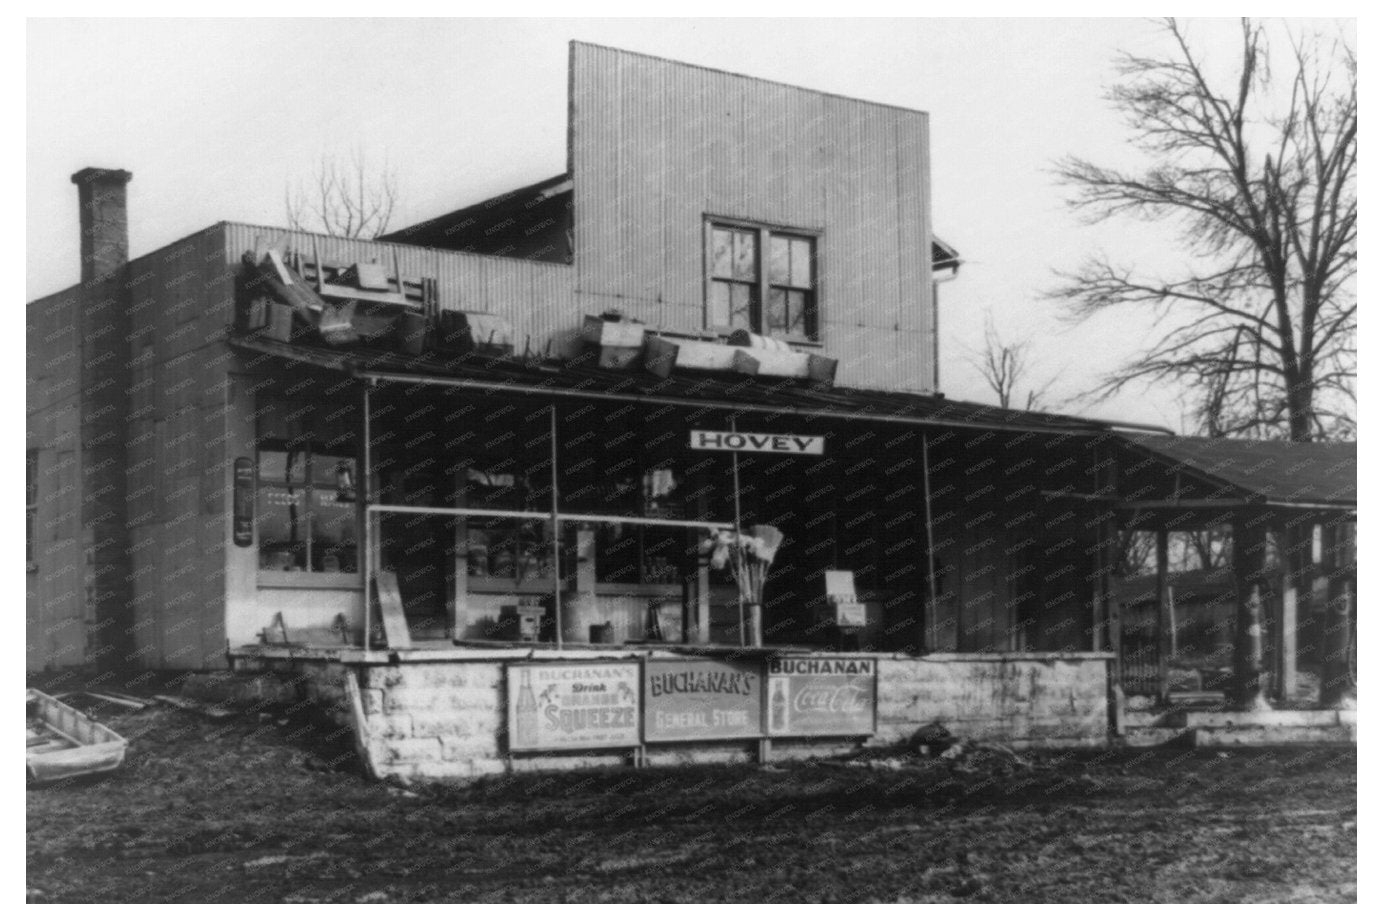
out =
column 584, row 381
column 1183, row 482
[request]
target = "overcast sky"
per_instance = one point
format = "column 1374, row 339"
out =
column 215, row 118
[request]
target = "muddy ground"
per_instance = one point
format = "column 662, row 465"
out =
column 268, row 807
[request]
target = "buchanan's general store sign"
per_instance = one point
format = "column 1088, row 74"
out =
column 566, row 706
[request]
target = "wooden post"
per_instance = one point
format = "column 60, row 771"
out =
column 367, row 556
column 1106, row 627
column 698, row 580
column 1337, row 623
column 556, row 534
column 735, row 476
column 929, row 610
column 1163, row 616
column 1287, row 639
column 1172, row 618
column 460, row 559
column 1249, row 539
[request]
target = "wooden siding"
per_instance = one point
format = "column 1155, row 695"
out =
column 656, row 146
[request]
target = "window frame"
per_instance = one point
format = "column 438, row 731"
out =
column 312, row 450
column 31, row 508
column 312, row 443
column 763, row 287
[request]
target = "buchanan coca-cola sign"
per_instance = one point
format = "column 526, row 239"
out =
column 821, row 696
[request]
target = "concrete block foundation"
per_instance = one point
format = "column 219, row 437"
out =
column 442, row 713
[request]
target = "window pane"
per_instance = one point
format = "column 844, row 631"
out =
column 776, row 317
column 718, row 310
column 333, row 533
column 617, row 553
column 720, row 253
column 801, row 263
column 334, row 476
column 744, row 255
column 282, row 467
column 661, row 494
column 778, row 260
column 281, row 520
column 797, row 320
column 741, row 302
column 663, row 547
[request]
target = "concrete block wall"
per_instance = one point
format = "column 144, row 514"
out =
column 446, row 719
column 1021, row 701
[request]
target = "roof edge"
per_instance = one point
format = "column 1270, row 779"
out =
column 734, row 73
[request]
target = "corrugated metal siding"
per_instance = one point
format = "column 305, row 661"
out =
column 180, row 301
column 657, row 145
column 538, row 298
column 55, row 635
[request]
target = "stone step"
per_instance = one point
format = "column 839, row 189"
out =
column 1155, row 737
column 1256, row 736
column 1264, row 719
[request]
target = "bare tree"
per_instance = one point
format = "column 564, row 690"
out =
column 1137, row 553
column 1208, row 549
column 1260, row 175
column 1005, row 368
column 345, row 199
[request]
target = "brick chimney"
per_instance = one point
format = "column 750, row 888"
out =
column 105, row 229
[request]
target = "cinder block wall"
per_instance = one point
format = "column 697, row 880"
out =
column 446, row 719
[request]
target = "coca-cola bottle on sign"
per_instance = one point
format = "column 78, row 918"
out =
column 778, row 707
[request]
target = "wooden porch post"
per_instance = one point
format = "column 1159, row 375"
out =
column 460, row 560
column 1337, row 624
column 1104, row 602
column 1164, row 617
column 367, row 520
column 1247, row 688
column 1285, row 630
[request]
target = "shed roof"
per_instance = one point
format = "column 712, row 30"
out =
column 584, row 380
column 460, row 229
column 1274, row 472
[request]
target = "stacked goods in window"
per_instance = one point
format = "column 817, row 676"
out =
column 478, row 553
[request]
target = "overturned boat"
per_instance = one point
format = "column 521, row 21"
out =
column 63, row 742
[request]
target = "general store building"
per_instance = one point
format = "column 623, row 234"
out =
column 401, row 466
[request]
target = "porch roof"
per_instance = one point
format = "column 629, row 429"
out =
column 1276, row 473
column 583, row 380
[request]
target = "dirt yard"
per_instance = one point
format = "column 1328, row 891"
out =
column 266, row 807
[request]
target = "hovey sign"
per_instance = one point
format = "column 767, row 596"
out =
column 821, row 696
column 755, row 441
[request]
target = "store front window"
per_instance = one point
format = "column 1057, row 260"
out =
column 306, row 492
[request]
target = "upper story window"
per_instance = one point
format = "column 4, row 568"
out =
column 761, row 280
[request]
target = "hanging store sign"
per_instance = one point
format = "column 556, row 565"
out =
column 762, row 443
column 570, row 705
column 689, row 700
column 822, row 696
